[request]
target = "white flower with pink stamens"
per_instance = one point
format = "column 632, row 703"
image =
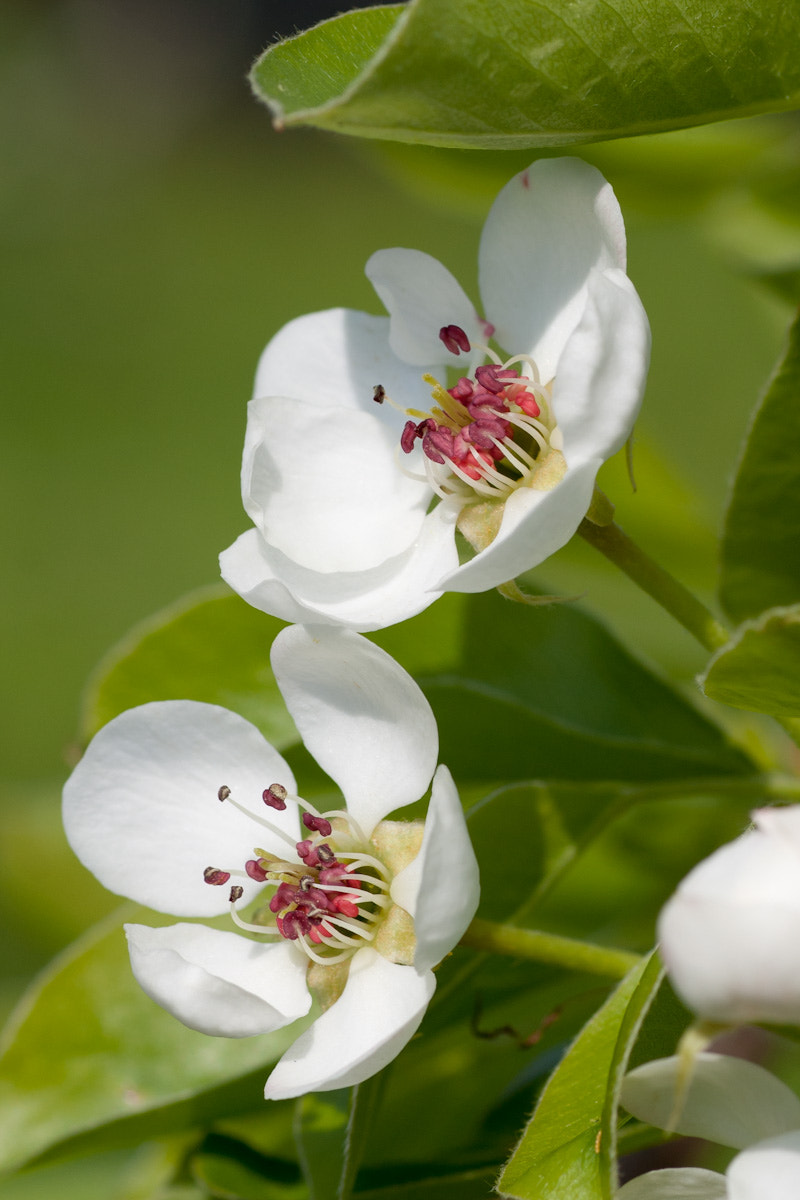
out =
column 356, row 505
column 186, row 808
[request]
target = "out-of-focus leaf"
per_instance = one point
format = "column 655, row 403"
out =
column 548, row 693
column 568, row 1149
column 759, row 669
column 321, row 1135
column 511, row 73
column 465, row 1185
column 761, row 545
column 89, row 1061
column 230, row 1170
column 209, row 646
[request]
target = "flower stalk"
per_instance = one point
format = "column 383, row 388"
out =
column 676, row 599
column 537, row 946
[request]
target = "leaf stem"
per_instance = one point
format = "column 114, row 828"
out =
column 658, row 583
column 537, row 946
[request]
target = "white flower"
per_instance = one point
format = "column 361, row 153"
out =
column 730, row 935
column 174, row 802
column 339, row 488
column 730, row 1101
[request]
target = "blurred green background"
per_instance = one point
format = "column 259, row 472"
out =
column 156, row 232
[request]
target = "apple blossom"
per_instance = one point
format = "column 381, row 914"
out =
column 186, row 808
column 356, row 505
column 730, row 934
column 730, row 1101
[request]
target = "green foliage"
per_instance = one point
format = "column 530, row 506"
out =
column 513, row 73
column 760, row 559
column 760, row 668
column 568, row 1147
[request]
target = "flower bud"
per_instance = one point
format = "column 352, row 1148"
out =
column 730, row 936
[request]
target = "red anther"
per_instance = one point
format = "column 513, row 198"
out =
column 462, row 390
column 346, row 906
column 487, row 378
column 408, row 437
column 308, row 852
column 315, row 934
column 317, row 824
column 284, row 897
column 455, row 339
column 215, row 876
column 336, row 873
column 255, row 870
column 275, row 796
column 524, row 400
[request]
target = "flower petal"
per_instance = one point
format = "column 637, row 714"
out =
column 362, row 717
column 547, row 229
column 535, row 524
column 601, row 374
column 334, row 359
column 141, row 809
column 768, row 1171
column 324, row 488
column 676, row 1183
column 440, row 888
column 729, row 1100
column 378, row 1012
column 219, row 983
column 394, row 591
column 421, row 296
column 729, row 933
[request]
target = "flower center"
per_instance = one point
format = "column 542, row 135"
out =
column 490, row 433
column 331, row 892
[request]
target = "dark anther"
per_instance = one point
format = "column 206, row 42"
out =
column 236, row 893
column 379, row 393
column 317, row 824
column 275, row 796
column 306, row 882
column 215, row 876
column 223, row 792
column 454, row 339
column 324, row 853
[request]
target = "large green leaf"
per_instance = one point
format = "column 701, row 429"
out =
column 548, row 693
column 513, row 73
column 761, row 544
column 759, row 669
column 89, row 1060
column 208, row 646
column 568, row 1149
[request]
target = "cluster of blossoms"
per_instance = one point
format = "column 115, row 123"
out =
column 174, row 805
column 356, row 505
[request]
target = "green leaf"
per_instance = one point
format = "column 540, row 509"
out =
column 568, row 1149
column 548, row 693
column 513, row 73
column 231, row 1170
column 466, row 1185
column 759, row 668
column 209, row 646
column 89, row 1061
column 320, row 1130
column 760, row 561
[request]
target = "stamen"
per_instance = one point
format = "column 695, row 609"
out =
column 275, row 796
column 249, row 927
column 236, row 893
column 260, row 821
column 223, row 792
column 215, row 876
column 454, row 339
column 317, row 824
column 379, row 393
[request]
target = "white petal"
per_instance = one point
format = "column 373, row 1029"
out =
column 377, row 1014
column 219, row 983
column 547, row 229
column 394, row 591
column 676, row 1183
column 421, row 296
column 441, row 886
column 768, row 1171
column 601, row 375
column 535, row 524
column 141, row 809
column 325, row 489
column 730, row 932
column 730, row 1100
column 334, row 359
column 361, row 715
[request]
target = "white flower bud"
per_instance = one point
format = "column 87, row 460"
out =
column 730, row 936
